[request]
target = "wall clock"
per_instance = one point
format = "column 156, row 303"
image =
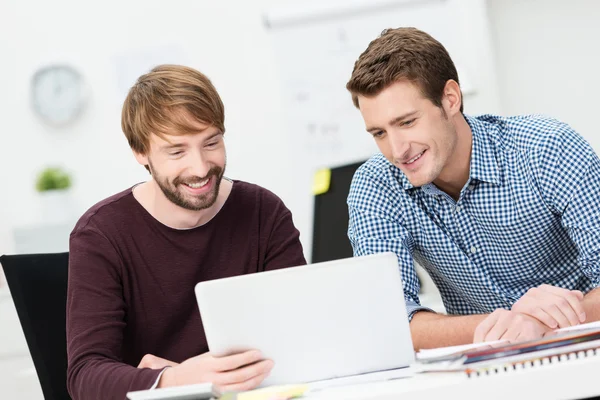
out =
column 58, row 94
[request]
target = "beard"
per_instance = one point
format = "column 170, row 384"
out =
column 178, row 196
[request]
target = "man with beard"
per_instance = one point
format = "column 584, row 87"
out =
column 132, row 318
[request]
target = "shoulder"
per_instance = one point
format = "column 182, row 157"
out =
column 377, row 186
column 376, row 167
column 551, row 146
column 104, row 213
column 247, row 195
column 376, row 175
column 536, row 133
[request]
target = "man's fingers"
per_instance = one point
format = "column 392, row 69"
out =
column 512, row 334
column 244, row 374
column 577, row 306
column 544, row 318
column 560, row 315
column 574, row 297
column 250, row 384
column 235, row 361
column 572, row 308
column 485, row 326
column 498, row 330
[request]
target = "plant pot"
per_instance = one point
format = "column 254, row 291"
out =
column 56, row 206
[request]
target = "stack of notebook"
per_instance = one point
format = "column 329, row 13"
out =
column 492, row 358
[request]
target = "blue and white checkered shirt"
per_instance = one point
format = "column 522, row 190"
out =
column 528, row 215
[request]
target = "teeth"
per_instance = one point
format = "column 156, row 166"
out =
column 415, row 159
column 197, row 185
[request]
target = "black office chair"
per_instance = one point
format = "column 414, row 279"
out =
column 38, row 285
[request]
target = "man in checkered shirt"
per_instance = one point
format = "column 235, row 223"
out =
column 503, row 213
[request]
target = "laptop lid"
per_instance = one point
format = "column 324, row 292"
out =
column 320, row 321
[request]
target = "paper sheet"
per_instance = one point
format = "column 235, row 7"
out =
column 426, row 354
column 580, row 327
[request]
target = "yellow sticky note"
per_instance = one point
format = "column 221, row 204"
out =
column 274, row 393
column 321, row 182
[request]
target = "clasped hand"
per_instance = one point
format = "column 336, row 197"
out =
column 538, row 312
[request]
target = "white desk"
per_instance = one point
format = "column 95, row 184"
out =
column 577, row 379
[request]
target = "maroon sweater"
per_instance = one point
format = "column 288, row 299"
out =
column 131, row 283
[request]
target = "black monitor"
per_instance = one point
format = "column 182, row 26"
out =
column 330, row 223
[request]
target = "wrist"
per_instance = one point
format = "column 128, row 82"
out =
column 167, row 378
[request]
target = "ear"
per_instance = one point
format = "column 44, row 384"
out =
column 452, row 98
column 142, row 159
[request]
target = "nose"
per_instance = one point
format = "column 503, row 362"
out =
column 199, row 166
column 400, row 148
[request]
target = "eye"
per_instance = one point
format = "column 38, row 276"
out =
column 378, row 134
column 408, row 122
column 176, row 153
column 212, row 144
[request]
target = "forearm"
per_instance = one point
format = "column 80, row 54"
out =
column 430, row 330
column 98, row 378
column 591, row 305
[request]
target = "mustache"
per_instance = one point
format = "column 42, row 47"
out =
column 214, row 171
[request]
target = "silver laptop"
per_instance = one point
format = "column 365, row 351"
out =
column 321, row 321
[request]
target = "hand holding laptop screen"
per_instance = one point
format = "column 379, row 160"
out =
column 238, row 372
column 321, row 321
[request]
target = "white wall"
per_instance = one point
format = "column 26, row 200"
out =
column 225, row 39
column 547, row 56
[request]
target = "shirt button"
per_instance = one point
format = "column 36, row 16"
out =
column 473, row 249
column 457, row 209
column 471, row 186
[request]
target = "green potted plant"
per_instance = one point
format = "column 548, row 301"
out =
column 53, row 185
column 53, row 178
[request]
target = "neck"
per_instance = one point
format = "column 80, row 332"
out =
column 455, row 174
column 149, row 195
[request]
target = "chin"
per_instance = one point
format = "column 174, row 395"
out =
column 418, row 181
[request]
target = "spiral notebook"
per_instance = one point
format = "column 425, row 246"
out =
column 559, row 347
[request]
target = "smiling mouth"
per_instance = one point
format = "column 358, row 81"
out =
column 415, row 158
column 198, row 185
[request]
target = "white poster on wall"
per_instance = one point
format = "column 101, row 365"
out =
column 316, row 45
column 131, row 64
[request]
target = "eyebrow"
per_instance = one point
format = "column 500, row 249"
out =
column 394, row 121
column 214, row 135
column 173, row 146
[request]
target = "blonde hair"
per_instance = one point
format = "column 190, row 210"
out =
column 162, row 101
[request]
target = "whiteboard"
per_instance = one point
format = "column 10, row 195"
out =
column 316, row 45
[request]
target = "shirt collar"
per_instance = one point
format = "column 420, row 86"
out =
column 484, row 165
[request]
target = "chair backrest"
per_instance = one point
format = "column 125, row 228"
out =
column 38, row 285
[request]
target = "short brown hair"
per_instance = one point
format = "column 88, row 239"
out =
column 403, row 53
column 161, row 102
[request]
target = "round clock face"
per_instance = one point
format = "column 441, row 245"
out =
column 58, row 94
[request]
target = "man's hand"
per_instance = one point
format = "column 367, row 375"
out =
column 243, row 371
column 154, row 362
column 509, row 325
column 554, row 306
